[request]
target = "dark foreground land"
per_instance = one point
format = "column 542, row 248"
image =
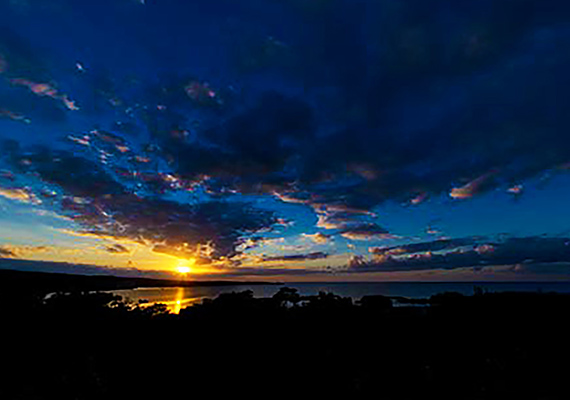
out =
column 94, row 346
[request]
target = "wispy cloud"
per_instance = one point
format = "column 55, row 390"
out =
column 296, row 257
column 117, row 249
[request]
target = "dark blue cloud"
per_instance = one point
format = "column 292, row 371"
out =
column 95, row 198
column 436, row 245
column 467, row 252
column 297, row 257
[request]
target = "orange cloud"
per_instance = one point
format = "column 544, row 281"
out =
column 419, row 198
column 14, row 251
column 22, row 195
column 318, row 238
column 471, row 188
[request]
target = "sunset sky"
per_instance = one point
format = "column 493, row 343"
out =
column 286, row 139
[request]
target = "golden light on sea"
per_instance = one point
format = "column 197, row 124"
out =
column 177, row 303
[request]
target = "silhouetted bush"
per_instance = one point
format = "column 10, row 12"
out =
column 376, row 302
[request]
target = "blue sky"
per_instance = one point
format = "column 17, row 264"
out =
column 293, row 140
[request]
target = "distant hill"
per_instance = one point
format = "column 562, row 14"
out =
column 46, row 282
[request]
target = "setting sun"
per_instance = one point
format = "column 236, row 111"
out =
column 185, row 266
column 184, row 269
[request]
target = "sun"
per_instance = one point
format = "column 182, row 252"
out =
column 185, row 266
column 184, row 269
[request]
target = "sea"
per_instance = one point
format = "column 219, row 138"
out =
column 176, row 298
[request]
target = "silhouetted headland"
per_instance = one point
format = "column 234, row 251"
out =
column 46, row 282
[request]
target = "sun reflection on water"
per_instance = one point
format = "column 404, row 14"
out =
column 174, row 298
column 178, row 301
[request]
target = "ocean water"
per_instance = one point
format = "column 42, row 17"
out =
column 176, row 298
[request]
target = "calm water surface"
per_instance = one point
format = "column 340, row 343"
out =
column 177, row 298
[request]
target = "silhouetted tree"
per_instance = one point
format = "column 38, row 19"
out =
column 285, row 295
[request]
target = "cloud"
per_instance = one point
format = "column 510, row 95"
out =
column 296, row 257
column 435, row 245
column 85, row 269
column 98, row 201
column 553, row 268
column 19, row 251
column 472, row 188
column 117, row 249
column 468, row 252
column 81, row 269
column 21, row 195
column 459, row 142
column 336, row 220
column 45, row 89
column 366, row 231
column 446, row 99
column 317, row 238
column 251, row 145
column 4, row 252
column 267, row 272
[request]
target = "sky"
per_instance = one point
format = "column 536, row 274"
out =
column 291, row 140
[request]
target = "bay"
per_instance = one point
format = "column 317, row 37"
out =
column 176, row 298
